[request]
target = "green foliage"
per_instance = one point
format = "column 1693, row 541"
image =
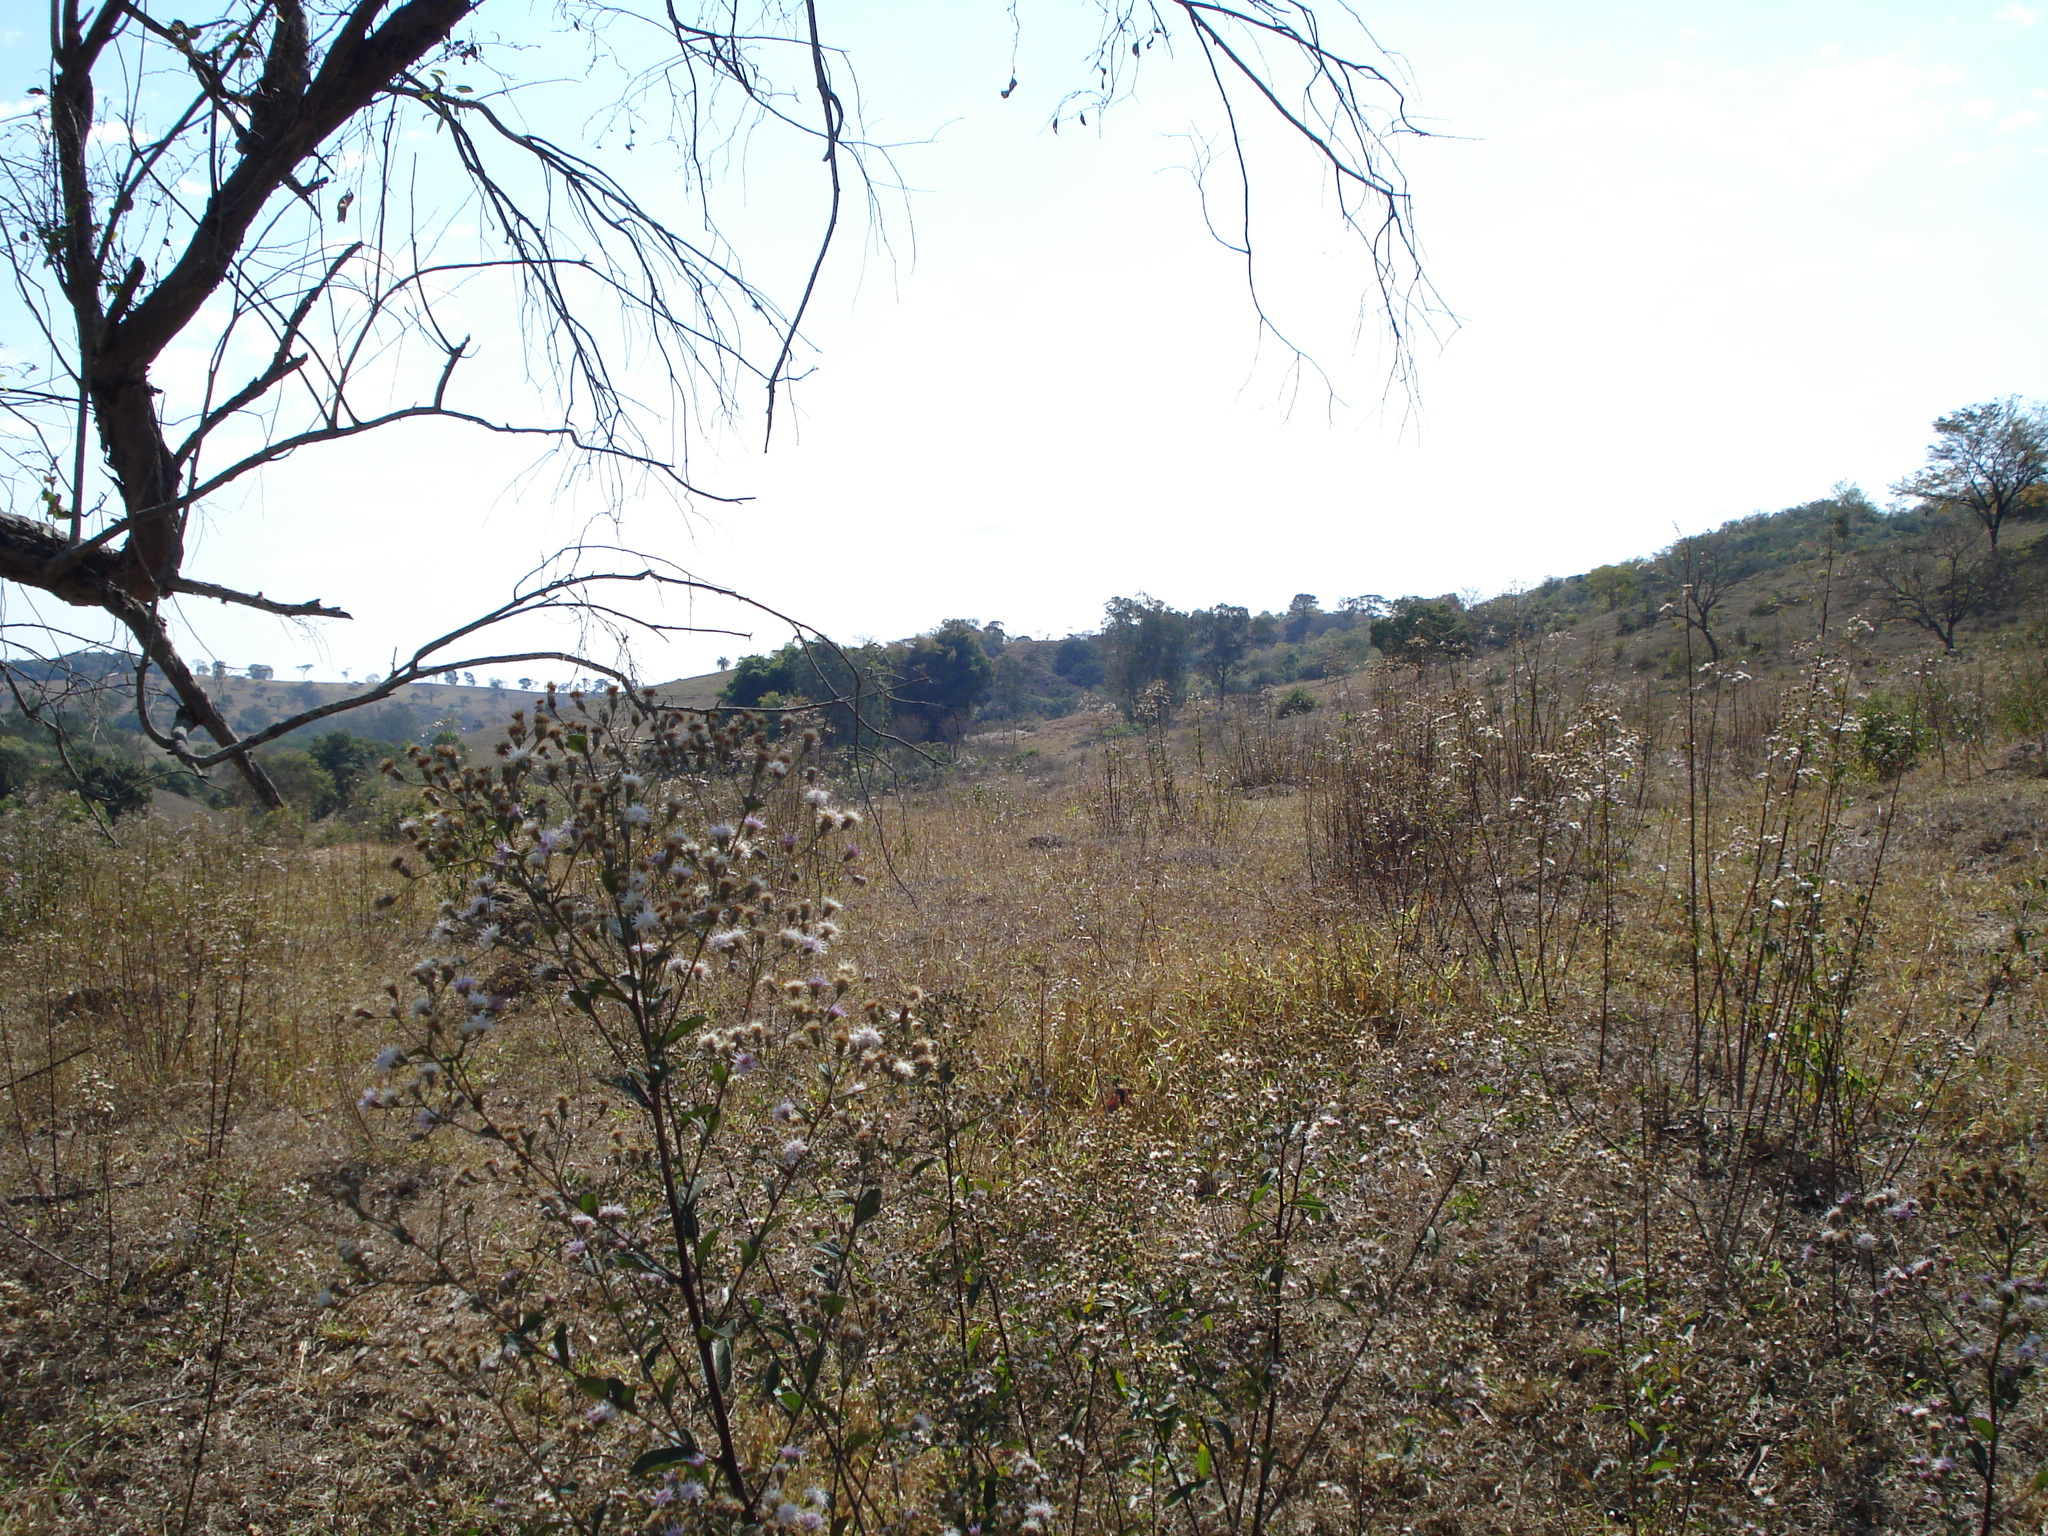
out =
column 17, row 765
column 350, row 762
column 1147, row 645
column 1424, row 629
column 940, row 680
column 307, row 787
column 849, row 687
column 1223, row 638
column 1296, row 701
column 115, row 782
column 1888, row 737
column 1079, row 660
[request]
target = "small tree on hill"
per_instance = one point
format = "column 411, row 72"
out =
column 1989, row 462
column 1223, row 638
column 1698, row 566
column 1940, row 578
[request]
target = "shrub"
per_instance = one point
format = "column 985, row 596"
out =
column 1296, row 701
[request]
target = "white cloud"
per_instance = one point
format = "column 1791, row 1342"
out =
column 2018, row 15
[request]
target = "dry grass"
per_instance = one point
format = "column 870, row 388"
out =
column 1434, row 1098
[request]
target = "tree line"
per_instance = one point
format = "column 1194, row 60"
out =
column 1940, row 558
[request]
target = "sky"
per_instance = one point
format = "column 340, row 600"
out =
column 1691, row 262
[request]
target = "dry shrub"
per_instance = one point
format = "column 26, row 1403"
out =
column 1578, row 1108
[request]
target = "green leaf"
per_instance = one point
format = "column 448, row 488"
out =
column 629, row 1083
column 1983, row 1427
column 664, row 1458
column 868, row 1205
column 792, row 1401
column 1204, row 1463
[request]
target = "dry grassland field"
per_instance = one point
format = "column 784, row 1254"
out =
column 1527, row 1095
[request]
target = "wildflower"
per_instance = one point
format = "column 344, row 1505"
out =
column 690, row 1491
column 744, row 1062
column 577, row 1249
column 601, row 1413
column 792, row 1454
column 645, row 919
column 489, row 937
column 422, row 1006
column 464, row 985
column 1866, row 1241
column 1905, row 1210
column 637, row 815
column 425, row 1120
column 721, row 833
column 612, row 1212
column 784, row 1113
column 375, row 1098
column 1039, row 1510
column 865, row 1038
column 819, row 797
column 725, row 939
column 582, row 1221
column 793, row 1152
column 477, row 1024
column 787, row 1513
column 325, row 1299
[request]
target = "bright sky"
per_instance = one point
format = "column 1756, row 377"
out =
column 1705, row 260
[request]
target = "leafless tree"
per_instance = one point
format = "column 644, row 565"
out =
column 1698, row 567
column 289, row 192
column 1938, row 578
column 1988, row 461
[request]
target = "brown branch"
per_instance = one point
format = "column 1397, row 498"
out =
column 312, row 609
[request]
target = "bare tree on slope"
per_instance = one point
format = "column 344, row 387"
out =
column 239, row 239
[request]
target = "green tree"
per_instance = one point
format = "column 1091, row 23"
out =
column 349, row 761
column 1302, row 614
column 1989, row 461
column 1146, row 645
column 1423, row 629
column 1223, row 638
column 1613, row 586
column 118, row 784
column 941, row 678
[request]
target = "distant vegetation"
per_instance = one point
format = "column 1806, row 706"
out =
column 1930, row 567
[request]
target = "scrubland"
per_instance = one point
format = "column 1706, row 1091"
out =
column 1518, row 1097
